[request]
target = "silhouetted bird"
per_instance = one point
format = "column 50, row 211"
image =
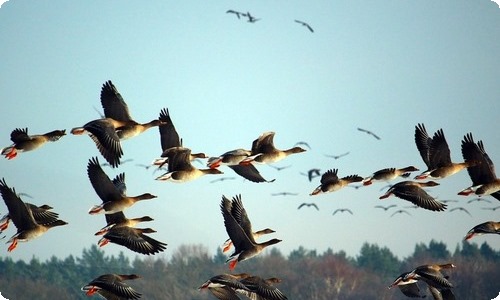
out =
column 342, row 210
column 305, row 24
column 369, row 132
column 308, row 205
column 337, row 156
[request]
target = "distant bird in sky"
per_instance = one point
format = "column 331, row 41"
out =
column 483, row 228
column 305, row 24
column 369, row 132
column 284, row 194
column 222, row 179
column 447, row 201
column 303, row 144
column 462, row 209
column 308, row 205
column 122, row 162
column 237, row 13
column 385, row 207
column 22, row 142
column 342, row 210
column 400, row 211
column 491, row 208
column 280, row 168
column 251, row 18
column 312, row 173
column 478, row 199
column 435, row 153
column 144, row 166
column 337, row 156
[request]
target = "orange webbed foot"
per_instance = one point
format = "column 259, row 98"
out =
column 12, row 246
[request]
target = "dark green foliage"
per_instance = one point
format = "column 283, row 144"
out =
column 306, row 274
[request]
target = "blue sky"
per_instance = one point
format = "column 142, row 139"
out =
column 380, row 65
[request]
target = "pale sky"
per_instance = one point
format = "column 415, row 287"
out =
column 379, row 65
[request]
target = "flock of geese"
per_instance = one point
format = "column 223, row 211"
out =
column 117, row 124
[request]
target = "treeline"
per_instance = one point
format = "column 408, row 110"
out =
column 305, row 273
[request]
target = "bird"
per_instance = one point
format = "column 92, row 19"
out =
column 484, row 179
column 264, row 152
column 308, row 205
column 435, row 153
column 337, row 156
column 116, row 125
column 389, row 174
column 342, row 210
column 262, row 288
column 369, row 132
column 103, row 134
column 22, row 217
column 222, row 179
column 113, row 198
column 169, row 138
column 462, row 209
column 144, row 166
column 134, row 239
column 280, row 168
column 400, row 211
column 413, row 191
column 232, row 159
column 478, row 199
column 240, row 233
column 251, row 19
column 121, row 162
column 284, row 194
column 330, row 182
column 237, row 13
column 239, row 214
column 118, row 219
column 112, row 286
column 312, row 173
column 431, row 274
column 305, row 24
column 385, row 207
column 180, row 168
column 41, row 214
column 491, row 208
column 22, row 142
column 225, row 286
column 116, row 108
column 490, row 227
column 448, row 201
